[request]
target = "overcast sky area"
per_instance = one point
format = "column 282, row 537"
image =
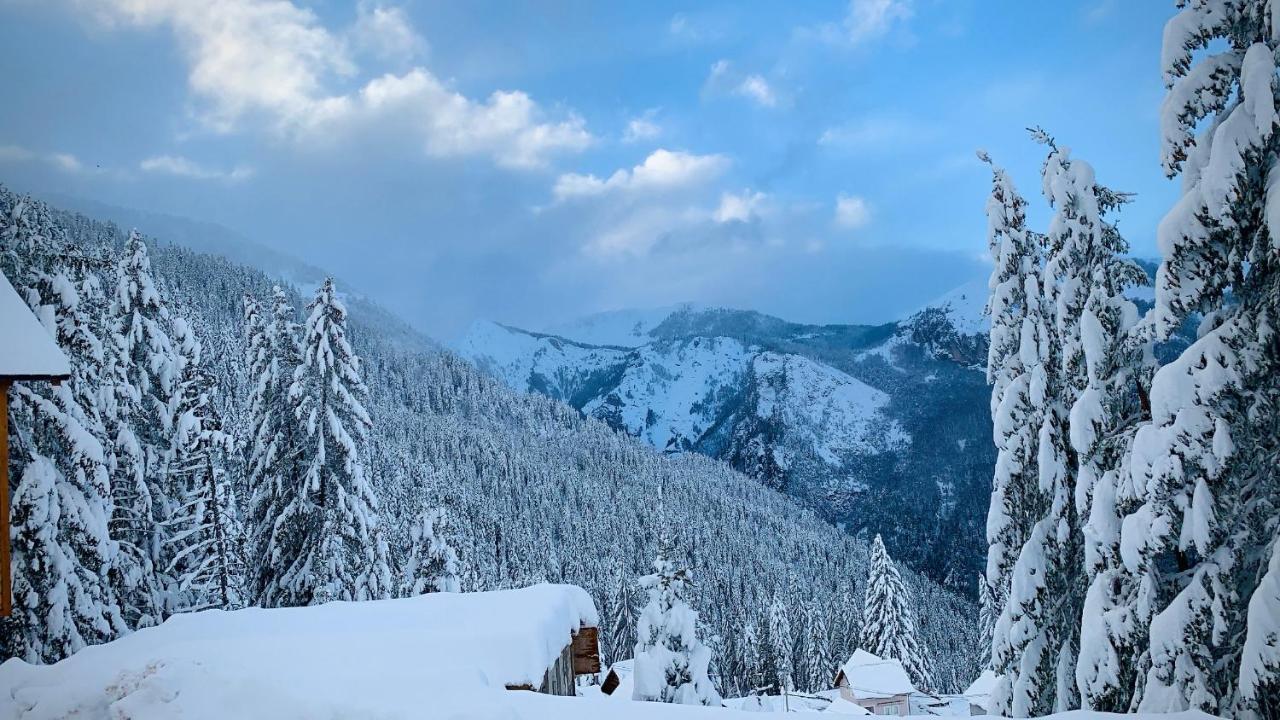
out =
column 534, row 162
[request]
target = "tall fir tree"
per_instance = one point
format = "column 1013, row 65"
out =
column 671, row 663
column 61, row 549
column 1205, row 530
column 145, row 364
column 1018, row 334
column 204, row 554
column 888, row 622
column 782, row 640
column 622, row 623
column 341, row 551
column 274, row 457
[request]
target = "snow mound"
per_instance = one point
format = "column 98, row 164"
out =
column 342, row 659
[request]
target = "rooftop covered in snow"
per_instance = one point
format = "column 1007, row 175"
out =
column 362, row 658
column 27, row 350
column 870, row 676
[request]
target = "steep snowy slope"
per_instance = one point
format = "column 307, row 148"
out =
column 881, row 428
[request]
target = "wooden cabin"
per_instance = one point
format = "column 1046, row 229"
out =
column 879, row 685
column 581, row 656
column 28, row 353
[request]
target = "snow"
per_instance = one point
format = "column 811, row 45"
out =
column 526, row 361
column 833, row 413
column 375, row 658
column 624, row 669
column 966, row 307
column 629, row 328
column 870, row 676
column 979, row 691
column 29, row 348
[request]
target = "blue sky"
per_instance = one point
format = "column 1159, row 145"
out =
column 532, row 162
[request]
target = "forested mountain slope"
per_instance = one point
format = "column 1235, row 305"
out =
column 879, row 428
column 536, row 491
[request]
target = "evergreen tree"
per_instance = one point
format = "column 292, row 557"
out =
column 204, row 553
column 61, row 550
column 781, row 637
column 145, row 364
column 274, row 461
column 622, row 624
column 433, row 565
column 1204, row 467
column 671, row 664
column 1018, row 334
column 888, row 623
column 341, row 553
column 988, row 611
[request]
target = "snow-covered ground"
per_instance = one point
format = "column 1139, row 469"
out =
column 623, row 328
column 966, row 307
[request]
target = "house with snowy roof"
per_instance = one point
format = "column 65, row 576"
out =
column 879, row 685
column 380, row 658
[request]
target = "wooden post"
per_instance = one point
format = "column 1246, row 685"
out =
column 6, row 582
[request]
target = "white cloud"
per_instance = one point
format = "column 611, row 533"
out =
column 183, row 167
column 723, row 78
column 852, row 212
column 755, row 88
column 386, row 33
column 63, row 161
column 67, row 161
column 642, row 128
column 871, row 19
column 663, row 169
column 740, row 207
column 273, row 60
column 14, row 152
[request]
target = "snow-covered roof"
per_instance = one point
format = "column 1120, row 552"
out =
column 626, row 682
column 29, row 351
column 979, row 691
column 340, row 659
column 870, row 676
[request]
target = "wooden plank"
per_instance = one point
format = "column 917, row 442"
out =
column 6, row 582
column 586, row 651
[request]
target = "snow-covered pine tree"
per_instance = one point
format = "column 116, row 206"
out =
column 987, row 614
column 1117, row 364
column 341, row 552
column 1017, row 337
column 782, row 640
column 671, row 663
column 145, row 363
column 888, row 622
column 433, row 564
column 204, row 551
column 819, row 663
column 61, row 549
column 1206, row 462
column 622, row 623
column 274, row 457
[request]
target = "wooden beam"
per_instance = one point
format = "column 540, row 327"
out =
column 586, row 651
column 6, row 582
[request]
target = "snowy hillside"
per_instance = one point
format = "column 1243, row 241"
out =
column 832, row 414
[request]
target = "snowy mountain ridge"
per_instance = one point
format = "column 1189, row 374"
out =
column 835, row 415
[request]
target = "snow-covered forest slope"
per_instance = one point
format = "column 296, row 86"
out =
column 535, row 491
column 879, row 428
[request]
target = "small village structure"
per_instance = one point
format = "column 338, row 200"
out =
column 28, row 353
column 879, row 685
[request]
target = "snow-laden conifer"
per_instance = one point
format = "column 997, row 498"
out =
column 671, row 663
column 204, row 553
column 433, row 565
column 888, row 622
column 1204, row 468
column 332, row 513
column 145, row 364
